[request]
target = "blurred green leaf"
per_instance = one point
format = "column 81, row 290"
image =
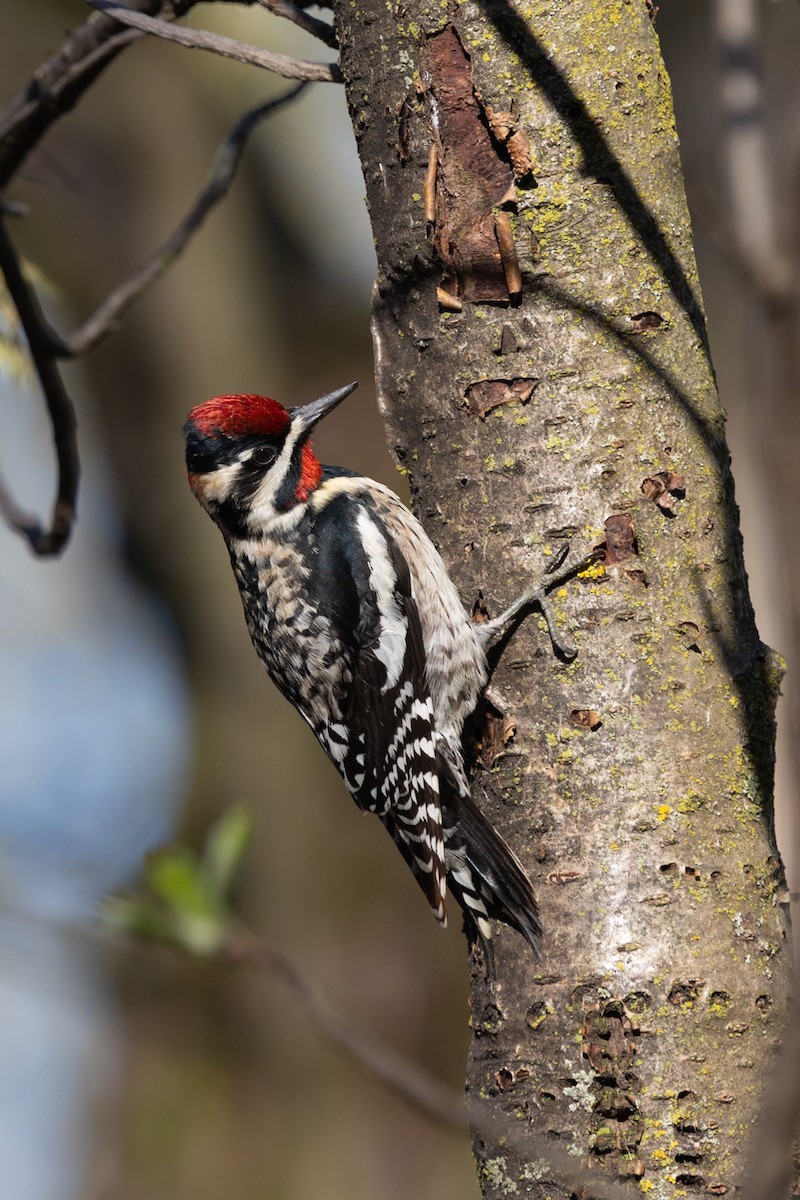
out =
column 15, row 359
column 175, row 875
column 184, row 899
column 226, row 845
column 135, row 915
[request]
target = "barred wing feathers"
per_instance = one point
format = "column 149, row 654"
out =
column 384, row 744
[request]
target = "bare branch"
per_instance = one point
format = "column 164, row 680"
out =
column 415, row 1085
column 33, row 101
column 409, row 1081
column 107, row 317
column 197, row 39
column 59, row 406
column 61, row 80
column 318, row 29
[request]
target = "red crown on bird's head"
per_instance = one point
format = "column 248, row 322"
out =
column 248, row 415
column 237, row 416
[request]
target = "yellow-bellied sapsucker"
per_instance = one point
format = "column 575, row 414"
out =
column 353, row 614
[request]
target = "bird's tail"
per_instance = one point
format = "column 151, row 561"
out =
column 485, row 876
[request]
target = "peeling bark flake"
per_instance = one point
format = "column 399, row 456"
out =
column 661, row 488
column 508, row 254
column 472, row 179
column 487, row 394
column 515, row 142
column 493, row 732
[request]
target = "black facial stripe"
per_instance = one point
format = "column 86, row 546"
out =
column 286, row 496
column 251, row 472
column 205, row 452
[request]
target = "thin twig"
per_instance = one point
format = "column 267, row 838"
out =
column 106, row 318
column 421, row 1090
column 48, row 104
column 60, row 81
column 199, row 39
column 59, row 406
column 313, row 25
column 415, row 1085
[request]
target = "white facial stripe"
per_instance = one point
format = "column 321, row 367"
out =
column 391, row 647
column 216, row 486
column 262, row 510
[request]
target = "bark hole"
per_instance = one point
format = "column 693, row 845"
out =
column 644, row 322
column 491, row 1020
column 537, row 1014
column 685, row 993
column 616, row 1124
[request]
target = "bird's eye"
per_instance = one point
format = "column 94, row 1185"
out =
column 264, row 455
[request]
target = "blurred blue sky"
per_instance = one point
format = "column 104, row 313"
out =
column 94, row 745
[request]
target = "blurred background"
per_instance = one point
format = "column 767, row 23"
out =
column 133, row 708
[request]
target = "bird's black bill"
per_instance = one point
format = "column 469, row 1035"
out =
column 310, row 414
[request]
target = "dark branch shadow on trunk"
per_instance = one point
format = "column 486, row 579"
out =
column 599, row 160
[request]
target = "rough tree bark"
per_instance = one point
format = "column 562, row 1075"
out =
column 544, row 374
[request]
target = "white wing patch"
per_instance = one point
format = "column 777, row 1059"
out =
column 390, row 649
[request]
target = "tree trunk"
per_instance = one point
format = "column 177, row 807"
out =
column 543, row 371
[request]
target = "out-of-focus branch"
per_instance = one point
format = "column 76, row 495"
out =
column 107, row 317
column 59, row 97
column 62, row 79
column 197, row 39
column 62, row 414
column 415, row 1085
column 46, row 345
column 772, row 261
column 318, row 29
column 185, row 902
column 57, row 86
column 771, row 269
column 409, row 1081
column 744, row 146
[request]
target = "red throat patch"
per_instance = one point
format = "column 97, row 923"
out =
column 310, row 473
column 237, row 416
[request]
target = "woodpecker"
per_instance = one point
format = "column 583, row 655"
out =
column 352, row 612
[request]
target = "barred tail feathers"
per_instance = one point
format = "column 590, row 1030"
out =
column 429, row 875
column 485, row 876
